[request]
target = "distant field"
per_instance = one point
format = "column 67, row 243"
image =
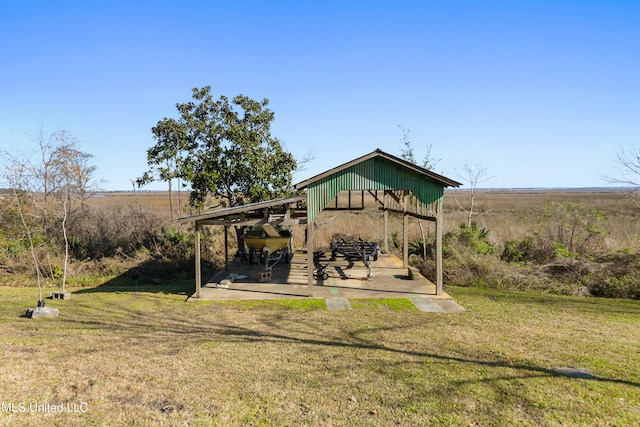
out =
column 157, row 202
column 508, row 214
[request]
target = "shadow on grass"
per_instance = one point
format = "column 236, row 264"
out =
column 185, row 324
column 153, row 276
column 585, row 305
column 170, row 326
column 357, row 343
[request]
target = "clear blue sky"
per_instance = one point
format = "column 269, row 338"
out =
column 541, row 93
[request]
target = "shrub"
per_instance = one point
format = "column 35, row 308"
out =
column 416, row 247
column 518, row 250
column 614, row 287
column 561, row 251
column 175, row 236
column 569, row 229
column 103, row 233
column 14, row 239
column 469, row 257
column 394, row 239
column 618, row 278
column 462, row 267
column 472, row 237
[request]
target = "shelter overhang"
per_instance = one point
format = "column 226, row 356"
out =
column 249, row 214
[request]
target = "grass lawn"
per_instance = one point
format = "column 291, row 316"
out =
column 146, row 357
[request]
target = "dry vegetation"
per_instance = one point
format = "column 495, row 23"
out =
column 605, row 263
column 510, row 215
column 129, row 238
column 507, row 214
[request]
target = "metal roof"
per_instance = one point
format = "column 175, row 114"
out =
column 234, row 210
column 446, row 182
column 375, row 171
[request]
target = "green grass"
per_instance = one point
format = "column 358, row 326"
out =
column 397, row 304
column 143, row 356
column 277, row 304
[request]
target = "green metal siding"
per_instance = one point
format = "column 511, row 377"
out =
column 373, row 174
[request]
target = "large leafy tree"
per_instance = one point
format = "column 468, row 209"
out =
column 221, row 148
column 163, row 158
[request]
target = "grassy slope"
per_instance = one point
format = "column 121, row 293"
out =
column 149, row 358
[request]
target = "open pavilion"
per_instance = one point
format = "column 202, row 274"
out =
column 396, row 185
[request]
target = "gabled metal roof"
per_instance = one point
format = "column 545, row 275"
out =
column 446, row 182
column 375, row 171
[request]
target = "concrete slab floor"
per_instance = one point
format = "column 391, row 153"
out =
column 346, row 280
column 337, row 304
column 426, row 305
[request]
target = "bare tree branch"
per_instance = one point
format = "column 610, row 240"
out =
column 628, row 165
column 407, row 151
column 304, row 161
column 473, row 174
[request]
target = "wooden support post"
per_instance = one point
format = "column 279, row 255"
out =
column 310, row 259
column 439, row 224
column 226, row 248
column 287, row 216
column 198, row 271
column 405, row 230
column 385, row 206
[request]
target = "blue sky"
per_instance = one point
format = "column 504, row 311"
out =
column 541, row 94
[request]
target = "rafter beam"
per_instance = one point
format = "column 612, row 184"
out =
column 253, row 221
column 412, row 214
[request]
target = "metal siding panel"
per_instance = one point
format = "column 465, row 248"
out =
column 372, row 174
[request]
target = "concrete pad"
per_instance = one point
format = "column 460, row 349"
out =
column 449, row 306
column 35, row 313
column 346, row 281
column 337, row 304
column 60, row 295
column 426, row 305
